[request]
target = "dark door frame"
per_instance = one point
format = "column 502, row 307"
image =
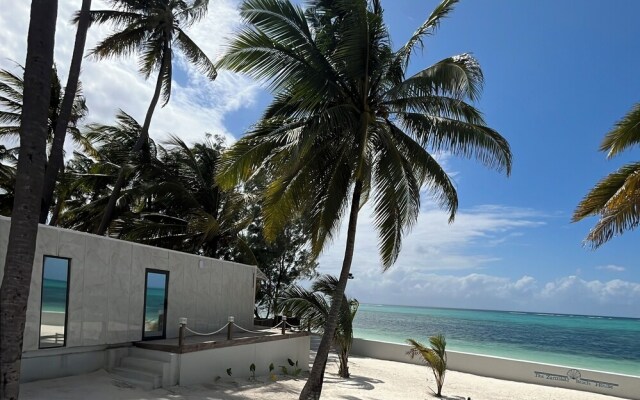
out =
column 166, row 296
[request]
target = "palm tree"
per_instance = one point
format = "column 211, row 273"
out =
column 312, row 307
column 89, row 177
column 16, row 280
column 347, row 122
column 12, row 97
column 616, row 198
column 66, row 114
column 185, row 209
column 11, row 100
column 435, row 357
column 8, row 164
column 154, row 29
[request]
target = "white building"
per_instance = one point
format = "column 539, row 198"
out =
column 92, row 297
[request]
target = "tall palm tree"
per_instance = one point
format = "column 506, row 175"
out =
column 313, row 306
column 66, row 114
column 8, row 164
column 21, row 246
column 11, row 104
column 347, row 122
column 435, row 357
column 616, row 198
column 153, row 29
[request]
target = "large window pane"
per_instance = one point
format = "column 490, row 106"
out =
column 155, row 304
column 53, row 315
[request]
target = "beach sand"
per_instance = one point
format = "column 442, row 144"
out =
column 371, row 379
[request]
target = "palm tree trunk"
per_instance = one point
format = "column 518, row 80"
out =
column 142, row 140
column 56, row 157
column 313, row 388
column 16, row 281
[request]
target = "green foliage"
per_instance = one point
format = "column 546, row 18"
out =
column 616, row 198
column 342, row 115
column 11, row 96
column 313, row 306
column 435, row 357
column 153, row 30
column 284, row 259
column 293, row 369
column 170, row 198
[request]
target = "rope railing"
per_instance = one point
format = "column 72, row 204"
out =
column 207, row 333
column 246, row 330
column 229, row 326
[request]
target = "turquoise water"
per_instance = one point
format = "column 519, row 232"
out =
column 585, row 342
column 54, row 295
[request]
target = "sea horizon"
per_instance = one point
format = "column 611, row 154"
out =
column 505, row 310
column 594, row 342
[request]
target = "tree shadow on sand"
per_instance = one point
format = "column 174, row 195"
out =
column 355, row 382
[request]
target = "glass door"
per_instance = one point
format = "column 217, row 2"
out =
column 155, row 304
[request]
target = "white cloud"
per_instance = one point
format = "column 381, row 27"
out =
column 570, row 294
column 611, row 267
column 434, row 244
column 197, row 105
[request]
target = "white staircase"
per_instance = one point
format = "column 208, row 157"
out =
column 147, row 369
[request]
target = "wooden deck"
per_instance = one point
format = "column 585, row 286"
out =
column 199, row 343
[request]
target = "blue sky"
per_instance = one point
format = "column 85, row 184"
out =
column 558, row 75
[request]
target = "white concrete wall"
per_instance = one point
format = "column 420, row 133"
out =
column 514, row 370
column 106, row 288
column 205, row 366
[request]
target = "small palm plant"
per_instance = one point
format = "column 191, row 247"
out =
column 312, row 306
column 435, row 357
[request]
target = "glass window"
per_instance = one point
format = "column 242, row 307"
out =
column 155, row 304
column 55, row 299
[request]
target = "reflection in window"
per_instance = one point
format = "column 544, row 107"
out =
column 155, row 308
column 55, row 293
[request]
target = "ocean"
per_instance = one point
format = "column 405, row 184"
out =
column 598, row 343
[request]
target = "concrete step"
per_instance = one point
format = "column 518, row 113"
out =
column 144, row 364
column 150, row 354
column 134, row 374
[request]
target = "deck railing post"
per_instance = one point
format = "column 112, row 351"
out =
column 181, row 331
column 230, row 328
column 284, row 324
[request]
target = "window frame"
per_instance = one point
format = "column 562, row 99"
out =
column 66, row 306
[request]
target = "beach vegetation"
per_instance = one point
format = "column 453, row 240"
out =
column 347, row 125
column 615, row 200
column 11, row 104
column 154, row 30
column 434, row 356
column 313, row 307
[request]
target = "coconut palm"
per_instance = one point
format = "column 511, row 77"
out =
column 185, row 209
column 66, row 113
column 154, row 30
column 346, row 123
column 313, row 306
column 89, row 177
column 616, row 198
column 11, row 100
column 8, row 164
column 435, row 357
column 12, row 87
column 21, row 246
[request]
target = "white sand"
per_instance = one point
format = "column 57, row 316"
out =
column 371, row 379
